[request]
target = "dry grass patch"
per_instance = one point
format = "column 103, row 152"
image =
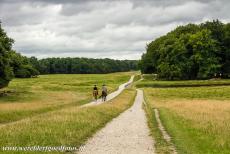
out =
column 50, row 92
column 70, row 126
column 198, row 121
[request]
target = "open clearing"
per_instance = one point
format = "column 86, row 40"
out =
column 33, row 96
column 197, row 118
column 70, row 126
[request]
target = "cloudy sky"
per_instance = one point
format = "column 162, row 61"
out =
column 116, row 29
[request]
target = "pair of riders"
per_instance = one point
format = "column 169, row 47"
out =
column 103, row 92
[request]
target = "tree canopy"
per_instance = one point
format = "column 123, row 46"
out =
column 12, row 63
column 21, row 66
column 190, row 52
column 82, row 65
column 6, row 72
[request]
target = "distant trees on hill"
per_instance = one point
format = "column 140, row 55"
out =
column 82, row 65
column 190, row 52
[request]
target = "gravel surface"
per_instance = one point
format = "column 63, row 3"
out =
column 112, row 95
column 126, row 134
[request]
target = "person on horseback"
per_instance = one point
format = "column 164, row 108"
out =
column 95, row 92
column 104, row 93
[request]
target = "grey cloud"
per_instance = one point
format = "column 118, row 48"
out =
column 99, row 28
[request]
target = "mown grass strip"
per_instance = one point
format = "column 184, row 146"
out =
column 181, row 84
column 70, row 126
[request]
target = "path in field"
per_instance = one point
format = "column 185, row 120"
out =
column 128, row 133
column 109, row 97
column 112, row 95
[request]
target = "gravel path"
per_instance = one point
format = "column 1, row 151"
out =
column 112, row 95
column 128, row 133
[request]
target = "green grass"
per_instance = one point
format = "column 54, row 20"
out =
column 197, row 118
column 189, row 83
column 218, row 93
column 189, row 139
column 161, row 146
column 137, row 77
column 29, row 97
column 71, row 126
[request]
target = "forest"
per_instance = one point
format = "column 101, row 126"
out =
column 13, row 64
column 190, row 52
column 82, row 65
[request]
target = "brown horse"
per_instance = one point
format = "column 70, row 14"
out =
column 104, row 93
column 95, row 92
column 103, row 96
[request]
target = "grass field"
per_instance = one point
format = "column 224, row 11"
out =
column 197, row 118
column 28, row 97
column 70, row 126
column 189, row 83
column 196, row 114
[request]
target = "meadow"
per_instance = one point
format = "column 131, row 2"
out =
column 70, row 126
column 32, row 96
column 185, row 83
column 197, row 117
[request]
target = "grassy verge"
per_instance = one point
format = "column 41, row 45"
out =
column 137, row 77
column 161, row 145
column 34, row 96
column 196, row 118
column 68, row 127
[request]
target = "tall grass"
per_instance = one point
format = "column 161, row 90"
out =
column 67, row 127
column 196, row 118
column 33, row 96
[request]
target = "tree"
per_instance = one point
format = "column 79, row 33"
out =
column 189, row 52
column 6, row 72
column 226, row 51
column 204, row 54
column 21, row 65
column 82, row 65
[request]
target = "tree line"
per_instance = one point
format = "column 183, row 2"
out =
column 190, row 52
column 13, row 64
column 82, row 65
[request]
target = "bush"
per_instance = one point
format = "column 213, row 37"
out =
column 26, row 71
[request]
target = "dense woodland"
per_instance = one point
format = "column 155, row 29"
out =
column 13, row 64
column 190, row 52
column 82, row 65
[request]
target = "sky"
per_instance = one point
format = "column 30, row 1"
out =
column 118, row 29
